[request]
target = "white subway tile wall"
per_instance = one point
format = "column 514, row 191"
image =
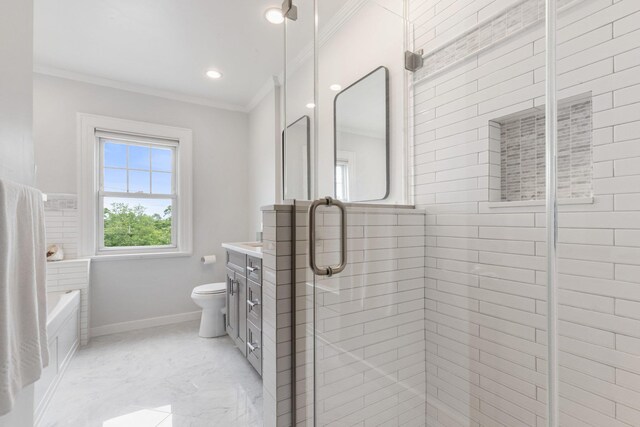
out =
column 62, row 229
column 61, row 223
column 71, row 275
column 276, row 316
column 485, row 298
column 370, row 343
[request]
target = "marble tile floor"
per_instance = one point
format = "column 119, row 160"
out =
column 159, row 377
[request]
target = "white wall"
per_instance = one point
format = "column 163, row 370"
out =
column 16, row 144
column 16, row 64
column 365, row 153
column 486, row 294
column 131, row 290
column 346, row 56
column 264, row 158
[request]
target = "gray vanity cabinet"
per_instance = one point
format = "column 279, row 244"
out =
column 242, row 313
column 254, row 312
column 231, row 319
column 244, row 305
column 236, row 319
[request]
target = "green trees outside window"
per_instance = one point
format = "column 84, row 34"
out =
column 126, row 225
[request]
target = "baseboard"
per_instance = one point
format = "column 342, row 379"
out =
column 133, row 325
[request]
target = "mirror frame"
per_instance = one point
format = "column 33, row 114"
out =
column 387, row 133
column 308, row 123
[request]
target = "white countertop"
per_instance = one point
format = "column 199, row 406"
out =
column 248, row 248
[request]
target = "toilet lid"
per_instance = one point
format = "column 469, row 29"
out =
column 211, row 288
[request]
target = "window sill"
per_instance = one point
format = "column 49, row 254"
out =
column 151, row 255
column 525, row 203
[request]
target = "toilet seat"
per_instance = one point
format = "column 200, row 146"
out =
column 210, row 288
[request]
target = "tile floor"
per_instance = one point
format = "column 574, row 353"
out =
column 159, row 377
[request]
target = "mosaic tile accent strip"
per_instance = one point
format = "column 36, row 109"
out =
column 522, row 152
column 58, row 202
column 486, row 34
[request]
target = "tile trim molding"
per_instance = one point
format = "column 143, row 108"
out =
column 485, row 35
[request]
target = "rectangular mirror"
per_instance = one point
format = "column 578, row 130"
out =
column 295, row 160
column 361, row 126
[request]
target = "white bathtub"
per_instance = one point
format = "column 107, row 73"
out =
column 63, row 332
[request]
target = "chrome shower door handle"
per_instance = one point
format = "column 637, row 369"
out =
column 330, row 270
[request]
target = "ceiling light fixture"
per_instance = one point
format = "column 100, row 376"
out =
column 311, row 105
column 214, row 74
column 274, row 15
column 335, row 87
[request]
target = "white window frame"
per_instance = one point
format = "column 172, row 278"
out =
column 90, row 194
column 348, row 159
column 344, row 166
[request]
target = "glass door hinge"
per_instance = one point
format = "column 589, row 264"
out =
column 289, row 10
column 413, row 61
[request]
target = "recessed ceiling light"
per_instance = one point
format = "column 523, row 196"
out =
column 335, row 87
column 274, row 15
column 311, row 105
column 214, row 74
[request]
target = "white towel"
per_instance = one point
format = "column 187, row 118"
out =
column 23, row 307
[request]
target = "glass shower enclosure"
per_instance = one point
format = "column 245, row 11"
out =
column 498, row 283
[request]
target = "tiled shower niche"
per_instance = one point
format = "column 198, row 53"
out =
column 522, row 151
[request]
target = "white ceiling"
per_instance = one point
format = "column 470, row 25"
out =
column 162, row 45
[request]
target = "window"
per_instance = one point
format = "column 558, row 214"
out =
column 140, row 200
column 137, row 193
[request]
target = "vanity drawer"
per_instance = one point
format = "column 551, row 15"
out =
column 254, row 269
column 254, row 347
column 236, row 262
column 254, row 303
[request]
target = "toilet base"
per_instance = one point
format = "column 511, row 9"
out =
column 212, row 323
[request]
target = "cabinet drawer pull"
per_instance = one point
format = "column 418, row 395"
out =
column 253, row 303
column 252, row 269
column 252, row 347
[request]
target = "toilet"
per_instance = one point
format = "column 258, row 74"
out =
column 211, row 297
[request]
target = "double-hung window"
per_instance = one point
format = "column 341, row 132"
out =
column 137, row 195
column 139, row 203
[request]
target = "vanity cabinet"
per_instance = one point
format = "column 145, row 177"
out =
column 231, row 319
column 236, row 319
column 244, row 305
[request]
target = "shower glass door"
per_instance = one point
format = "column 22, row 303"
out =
column 443, row 318
column 360, row 348
column 366, row 338
column 598, row 253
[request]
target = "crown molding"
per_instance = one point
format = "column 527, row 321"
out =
column 272, row 83
column 131, row 87
column 343, row 15
column 339, row 19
